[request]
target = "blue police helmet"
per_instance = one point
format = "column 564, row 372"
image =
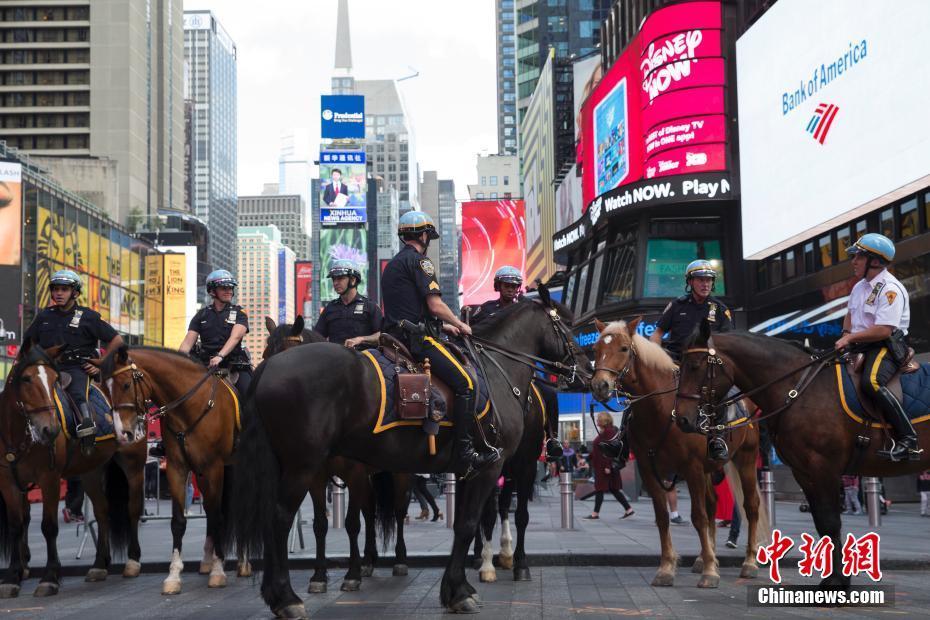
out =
column 345, row 267
column 220, row 277
column 417, row 222
column 66, row 277
column 509, row 275
column 700, row 269
column 880, row 246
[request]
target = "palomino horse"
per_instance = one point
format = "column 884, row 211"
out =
column 650, row 376
column 36, row 450
column 807, row 424
column 361, row 495
column 312, row 402
column 198, row 411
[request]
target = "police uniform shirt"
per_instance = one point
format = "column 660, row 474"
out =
column 683, row 314
column 339, row 321
column 80, row 329
column 882, row 300
column 486, row 311
column 407, row 281
column 215, row 328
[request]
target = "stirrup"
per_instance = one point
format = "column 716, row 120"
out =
column 477, row 462
column 898, row 451
column 717, row 450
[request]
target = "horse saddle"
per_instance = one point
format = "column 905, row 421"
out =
column 99, row 407
column 910, row 385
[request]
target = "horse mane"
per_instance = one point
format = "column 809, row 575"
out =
column 787, row 349
column 493, row 323
column 651, row 355
column 275, row 340
column 108, row 365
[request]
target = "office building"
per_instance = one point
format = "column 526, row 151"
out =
column 286, row 212
column 266, row 282
column 210, row 55
column 295, row 168
column 506, row 78
column 437, row 199
column 498, row 177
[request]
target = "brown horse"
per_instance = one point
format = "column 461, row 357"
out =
column 37, row 451
column 199, row 419
column 808, row 426
column 662, row 449
column 356, row 477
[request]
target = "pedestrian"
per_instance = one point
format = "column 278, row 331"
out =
column 425, row 498
column 725, row 503
column 607, row 471
column 923, row 485
column 851, row 492
column 671, row 497
column 74, row 501
column 568, row 460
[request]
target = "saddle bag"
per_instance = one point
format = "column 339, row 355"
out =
column 413, row 396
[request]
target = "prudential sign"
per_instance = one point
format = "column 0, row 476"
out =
column 342, row 116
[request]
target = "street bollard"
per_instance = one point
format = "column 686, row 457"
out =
column 767, row 489
column 450, row 500
column 872, row 488
column 568, row 500
column 339, row 504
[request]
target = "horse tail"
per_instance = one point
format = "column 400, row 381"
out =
column 116, row 488
column 5, row 542
column 382, row 484
column 254, row 484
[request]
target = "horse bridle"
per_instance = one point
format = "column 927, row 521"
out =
column 139, row 403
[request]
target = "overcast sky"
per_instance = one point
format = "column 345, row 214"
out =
column 286, row 50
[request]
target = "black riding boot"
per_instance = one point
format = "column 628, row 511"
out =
column 85, row 430
column 470, row 460
column 906, row 444
column 553, row 449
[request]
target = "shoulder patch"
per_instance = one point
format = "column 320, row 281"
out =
column 427, row 266
column 890, row 296
column 874, row 294
column 727, row 314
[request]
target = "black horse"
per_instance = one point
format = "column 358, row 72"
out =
column 315, row 401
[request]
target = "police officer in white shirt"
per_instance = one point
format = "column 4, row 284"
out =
column 876, row 323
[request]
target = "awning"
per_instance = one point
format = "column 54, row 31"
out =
column 799, row 319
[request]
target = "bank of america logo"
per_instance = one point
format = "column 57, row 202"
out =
column 820, row 122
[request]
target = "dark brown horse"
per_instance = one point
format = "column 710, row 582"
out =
column 356, row 477
column 812, row 434
column 662, row 449
column 37, row 450
column 199, row 419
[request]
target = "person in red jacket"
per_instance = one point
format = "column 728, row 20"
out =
column 606, row 471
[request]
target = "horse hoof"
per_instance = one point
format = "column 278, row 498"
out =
column 477, row 599
column 297, row 610
column 368, row 570
column 244, row 570
column 506, row 561
column 171, row 587
column 698, row 567
column 663, row 580
column 487, row 576
column 317, row 587
column 46, row 588
column 709, row 581
column 749, row 571
column 9, row 590
column 350, row 585
column 205, row 568
column 217, row 581
column 466, row 606
column 521, row 574
column 96, row 574
column 132, row 569
column 400, row 570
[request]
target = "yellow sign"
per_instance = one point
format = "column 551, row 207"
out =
column 154, row 299
column 175, row 300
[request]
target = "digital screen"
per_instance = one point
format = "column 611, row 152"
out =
column 343, row 187
column 342, row 116
column 492, row 236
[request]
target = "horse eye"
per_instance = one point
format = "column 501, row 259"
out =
column 27, row 379
column 624, row 349
column 126, row 386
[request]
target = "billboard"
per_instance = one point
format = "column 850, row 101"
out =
column 342, row 116
column 660, row 109
column 493, row 235
column 586, row 74
column 303, row 289
column 11, row 213
column 835, row 124
column 336, row 243
column 165, row 300
column 343, row 187
column 282, row 286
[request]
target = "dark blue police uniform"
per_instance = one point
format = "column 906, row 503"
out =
column 214, row 328
column 339, row 322
column 682, row 315
column 80, row 330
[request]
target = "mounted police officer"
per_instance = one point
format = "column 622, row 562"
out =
column 415, row 312
column 507, row 282
column 876, row 323
column 679, row 320
column 221, row 326
column 80, row 329
column 351, row 319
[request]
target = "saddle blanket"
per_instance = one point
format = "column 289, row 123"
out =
column 914, row 386
column 387, row 412
column 99, row 408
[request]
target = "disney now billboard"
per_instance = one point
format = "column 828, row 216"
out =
column 659, row 111
column 832, row 115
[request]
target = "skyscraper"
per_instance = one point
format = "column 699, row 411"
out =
column 437, row 199
column 295, row 168
column 210, row 55
column 266, row 268
column 287, row 212
column 126, row 107
column 506, row 78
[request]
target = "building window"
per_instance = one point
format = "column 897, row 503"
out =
column 667, row 259
column 791, row 268
column 826, row 251
column 908, row 220
column 493, row 180
column 810, row 262
column 886, row 223
column 775, row 275
column 479, row 195
column 842, row 242
column 506, row 180
column 862, row 227
column 484, row 181
column 494, row 195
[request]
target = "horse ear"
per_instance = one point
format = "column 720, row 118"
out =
column 298, row 327
column 632, row 326
column 543, row 292
column 270, row 324
column 599, row 325
column 122, row 354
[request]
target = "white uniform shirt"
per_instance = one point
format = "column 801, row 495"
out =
column 879, row 301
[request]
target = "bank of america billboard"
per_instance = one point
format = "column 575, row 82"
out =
column 342, row 116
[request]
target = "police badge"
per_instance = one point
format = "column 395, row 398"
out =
column 712, row 312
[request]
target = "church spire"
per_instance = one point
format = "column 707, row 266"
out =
column 343, row 40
